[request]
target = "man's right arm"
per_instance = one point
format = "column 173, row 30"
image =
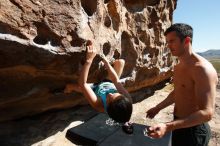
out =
column 165, row 103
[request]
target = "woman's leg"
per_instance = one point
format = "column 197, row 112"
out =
column 118, row 66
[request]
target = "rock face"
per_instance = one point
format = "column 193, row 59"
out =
column 42, row 47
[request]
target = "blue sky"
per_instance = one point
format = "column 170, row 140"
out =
column 204, row 17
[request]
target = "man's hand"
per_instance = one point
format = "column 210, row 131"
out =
column 151, row 113
column 91, row 52
column 157, row 131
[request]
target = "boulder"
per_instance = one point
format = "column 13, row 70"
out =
column 42, row 48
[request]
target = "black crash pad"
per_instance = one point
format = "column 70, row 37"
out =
column 92, row 131
column 96, row 132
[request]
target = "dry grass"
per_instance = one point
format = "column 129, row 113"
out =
column 216, row 64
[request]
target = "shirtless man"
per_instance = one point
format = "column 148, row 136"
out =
column 195, row 81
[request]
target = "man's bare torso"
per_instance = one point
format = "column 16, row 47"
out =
column 184, row 84
column 184, row 97
column 185, row 75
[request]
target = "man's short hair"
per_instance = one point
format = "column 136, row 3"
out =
column 182, row 30
column 120, row 109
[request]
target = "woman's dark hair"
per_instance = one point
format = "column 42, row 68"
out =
column 120, row 109
column 182, row 30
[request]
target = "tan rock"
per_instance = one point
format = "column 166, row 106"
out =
column 41, row 48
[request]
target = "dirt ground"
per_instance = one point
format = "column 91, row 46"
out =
column 49, row 129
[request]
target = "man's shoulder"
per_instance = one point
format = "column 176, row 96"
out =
column 203, row 65
column 203, row 69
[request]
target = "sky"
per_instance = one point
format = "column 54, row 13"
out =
column 204, row 17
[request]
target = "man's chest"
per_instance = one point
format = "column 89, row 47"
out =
column 183, row 80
